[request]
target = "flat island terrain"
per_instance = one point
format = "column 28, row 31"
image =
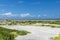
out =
column 29, row 29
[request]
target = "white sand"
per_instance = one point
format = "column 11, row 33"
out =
column 37, row 33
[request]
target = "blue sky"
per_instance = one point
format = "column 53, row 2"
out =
column 29, row 9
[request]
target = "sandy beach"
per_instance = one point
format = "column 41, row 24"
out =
column 37, row 33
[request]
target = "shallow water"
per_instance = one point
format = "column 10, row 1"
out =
column 37, row 33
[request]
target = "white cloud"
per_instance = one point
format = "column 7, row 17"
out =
column 8, row 14
column 25, row 15
column 39, row 16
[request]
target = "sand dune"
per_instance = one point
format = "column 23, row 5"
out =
column 37, row 33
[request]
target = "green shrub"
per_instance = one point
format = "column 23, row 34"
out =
column 56, row 38
column 9, row 34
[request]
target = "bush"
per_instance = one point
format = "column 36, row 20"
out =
column 9, row 34
column 56, row 38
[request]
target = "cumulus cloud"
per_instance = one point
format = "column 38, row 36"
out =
column 21, row 15
column 10, row 14
column 7, row 14
column 25, row 15
column 39, row 15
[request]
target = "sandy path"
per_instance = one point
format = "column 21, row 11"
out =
column 37, row 33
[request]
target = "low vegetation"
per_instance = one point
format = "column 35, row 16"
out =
column 29, row 22
column 9, row 34
column 56, row 38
